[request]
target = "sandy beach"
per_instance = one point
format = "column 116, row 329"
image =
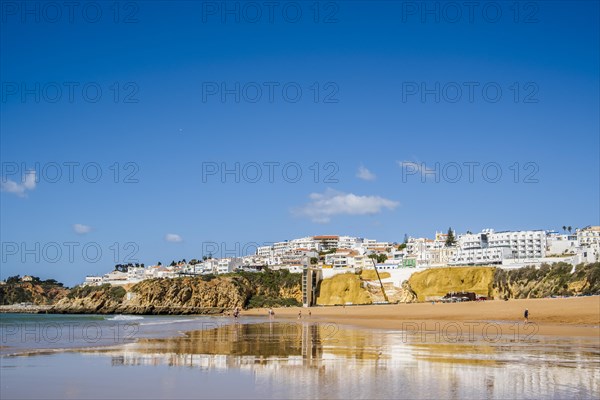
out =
column 575, row 316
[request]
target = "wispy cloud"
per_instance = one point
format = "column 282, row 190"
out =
column 173, row 238
column 323, row 206
column 81, row 229
column 364, row 174
column 19, row 189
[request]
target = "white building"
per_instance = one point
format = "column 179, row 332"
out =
column 389, row 264
column 589, row 235
column 480, row 256
column 442, row 256
column 348, row 258
column 524, row 244
column 560, row 244
column 326, row 242
column 308, row 243
column 226, row 265
column 348, row 242
column 115, row 278
column 92, row 280
column 264, row 251
column 280, row 248
column 490, row 247
column 423, row 249
column 136, row 274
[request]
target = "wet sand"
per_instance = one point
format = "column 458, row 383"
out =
column 575, row 316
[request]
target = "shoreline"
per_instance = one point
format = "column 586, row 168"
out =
column 571, row 316
column 576, row 318
column 28, row 309
column 564, row 317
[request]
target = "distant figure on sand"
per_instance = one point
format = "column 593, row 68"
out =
column 309, row 313
column 526, row 315
column 271, row 313
column 299, row 314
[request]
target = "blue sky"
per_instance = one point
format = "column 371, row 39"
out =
column 386, row 100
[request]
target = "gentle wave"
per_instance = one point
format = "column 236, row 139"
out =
column 167, row 322
column 124, row 318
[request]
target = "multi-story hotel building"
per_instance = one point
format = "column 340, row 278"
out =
column 589, row 235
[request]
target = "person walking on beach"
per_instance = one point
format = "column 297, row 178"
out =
column 299, row 314
column 526, row 315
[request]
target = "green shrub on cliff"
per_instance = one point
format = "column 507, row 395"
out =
column 548, row 280
column 271, row 288
column 115, row 293
column 271, row 280
column 14, row 295
column 36, row 291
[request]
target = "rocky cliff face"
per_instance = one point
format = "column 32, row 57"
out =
column 272, row 288
column 436, row 282
column 190, row 295
column 362, row 289
column 530, row 282
column 343, row 289
column 31, row 292
column 160, row 296
column 549, row 280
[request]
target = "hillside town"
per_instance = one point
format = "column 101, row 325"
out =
column 332, row 254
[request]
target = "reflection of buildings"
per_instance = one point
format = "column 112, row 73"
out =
column 317, row 360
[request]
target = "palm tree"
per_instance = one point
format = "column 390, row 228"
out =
column 569, row 229
column 564, row 228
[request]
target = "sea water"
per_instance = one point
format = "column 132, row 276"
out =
column 30, row 333
column 219, row 357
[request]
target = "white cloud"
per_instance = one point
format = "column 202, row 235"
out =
column 19, row 189
column 325, row 205
column 81, row 229
column 364, row 174
column 173, row 237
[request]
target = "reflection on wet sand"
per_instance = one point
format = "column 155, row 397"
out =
column 321, row 360
column 271, row 341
